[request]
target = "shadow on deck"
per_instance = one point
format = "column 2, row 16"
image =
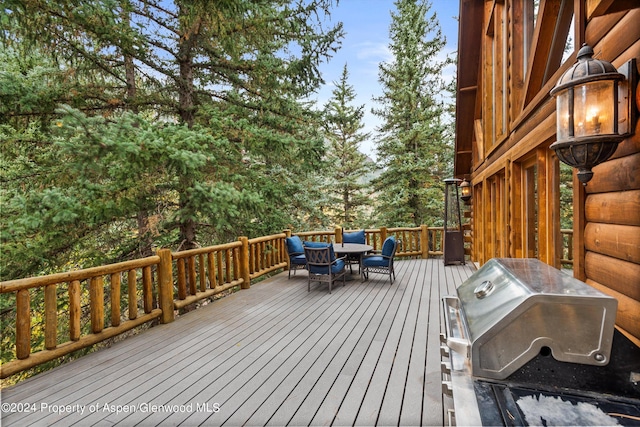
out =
column 368, row 354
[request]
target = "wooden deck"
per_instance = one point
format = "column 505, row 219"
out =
column 367, row 354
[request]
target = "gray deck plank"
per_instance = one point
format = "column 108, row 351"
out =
column 326, row 399
column 403, row 339
column 351, row 405
column 275, row 354
column 312, row 380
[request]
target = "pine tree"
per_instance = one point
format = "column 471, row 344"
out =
column 211, row 87
column 348, row 167
column 414, row 144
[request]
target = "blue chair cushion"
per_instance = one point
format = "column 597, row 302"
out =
column 294, row 245
column 375, row 261
column 354, row 237
column 388, row 246
column 298, row 259
column 316, row 244
column 335, row 268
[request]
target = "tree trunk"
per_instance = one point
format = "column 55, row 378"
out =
column 186, row 111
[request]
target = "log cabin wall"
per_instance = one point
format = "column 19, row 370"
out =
column 511, row 54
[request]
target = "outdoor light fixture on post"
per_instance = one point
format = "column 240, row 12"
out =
column 595, row 111
column 465, row 191
column 453, row 249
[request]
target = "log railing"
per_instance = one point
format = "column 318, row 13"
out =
column 83, row 289
column 204, row 272
column 152, row 288
column 414, row 241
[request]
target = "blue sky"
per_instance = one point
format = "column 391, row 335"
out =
column 366, row 26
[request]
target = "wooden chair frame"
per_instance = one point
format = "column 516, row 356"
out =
column 389, row 269
column 319, row 259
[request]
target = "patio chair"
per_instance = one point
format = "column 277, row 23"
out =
column 323, row 265
column 295, row 250
column 354, row 237
column 382, row 262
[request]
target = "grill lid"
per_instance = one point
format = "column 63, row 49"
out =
column 511, row 309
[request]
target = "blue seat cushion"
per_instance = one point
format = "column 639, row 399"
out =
column 375, row 261
column 354, row 237
column 294, row 245
column 388, row 246
column 298, row 259
column 335, row 268
column 316, row 244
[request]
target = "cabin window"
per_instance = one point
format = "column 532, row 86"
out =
column 496, row 217
column 529, row 18
column 497, row 69
column 550, row 43
column 529, row 208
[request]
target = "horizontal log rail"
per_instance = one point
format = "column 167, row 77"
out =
column 119, row 297
column 78, row 291
column 204, row 272
column 411, row 239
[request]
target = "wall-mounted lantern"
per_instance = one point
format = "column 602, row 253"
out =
column 595, row 111
column 465, row 191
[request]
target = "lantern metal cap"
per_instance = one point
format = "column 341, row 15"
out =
column 586, row 70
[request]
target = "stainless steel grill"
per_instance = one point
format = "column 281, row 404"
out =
column 523, row 321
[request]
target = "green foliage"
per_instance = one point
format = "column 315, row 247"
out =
column 415, row 144
column 126, row 126
column 133, row 125
column 349, row 201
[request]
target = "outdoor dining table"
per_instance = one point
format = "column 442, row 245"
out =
column 351, row 249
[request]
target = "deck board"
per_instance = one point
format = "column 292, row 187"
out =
column 367, row 354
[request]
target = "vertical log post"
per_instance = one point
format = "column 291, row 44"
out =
column 236, row 263
column 191, row 263
column 96, row 302
column 228, row 268
column 165, row 285
column 115, row 299
column 133, row 295
column 147, row 289
column 424, row 241
column 202, row 273
column 220, row 265
column 50, row 317
column 23, row 324
column 282, row 257
column 74, row 310
column 244, row 263
column 285, row 257
column 383, row 236
column 338, row 235
column 212, row 270
column 182, row 282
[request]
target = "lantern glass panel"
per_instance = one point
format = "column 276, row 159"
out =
column 623, row 107
column 563, row 129
column 594, row 108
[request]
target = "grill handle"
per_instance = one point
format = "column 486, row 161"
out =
column 455, row 328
